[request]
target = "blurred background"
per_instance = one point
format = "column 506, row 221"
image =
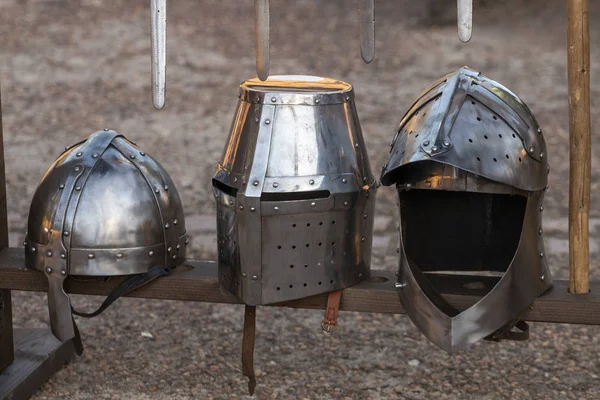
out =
column 69, row 68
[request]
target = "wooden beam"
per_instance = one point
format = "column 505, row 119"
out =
column 578, row 58
column 38, row 356
column 6, row 327
column 198, row 281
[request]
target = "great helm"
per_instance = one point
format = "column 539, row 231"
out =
column 295, row 192
column 470, row 165
column 103, row 208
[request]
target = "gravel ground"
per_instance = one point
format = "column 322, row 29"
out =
column 69, row 68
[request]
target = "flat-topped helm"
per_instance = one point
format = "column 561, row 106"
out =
column 470, row 165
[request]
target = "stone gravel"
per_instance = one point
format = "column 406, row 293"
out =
column 71, row 67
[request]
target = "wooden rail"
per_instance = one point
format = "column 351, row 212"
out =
column 197, row 281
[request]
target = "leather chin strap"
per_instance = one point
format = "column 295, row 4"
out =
column 329, row 324
column 248, row 347
column 127, row 285
column 507, row 332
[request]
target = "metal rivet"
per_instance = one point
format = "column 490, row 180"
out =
column 317, row 101
column 267, row 121
column 252, row 209
column 356, row 145
column 256, row 120
column 313, row 204
column 273, row 99
column 539, row 130
column 254, row 277
column 257, row 98
column 78, row 188
column 275, row 208
column 311, row 182
column 230, row 202
column 132, row 156
column 446, row 143
column 156, row 191
column 142, row 153
column 542, row 208
column 244, row 274
column 365, row 216
column 169, row 249
column 531, row 149
column 187, row 240
column 175, row 222
column 541, row 155
column 400, row 285
column 275, row 184
column 63, row 256
column 167, row 225
column 166, row 187
column 344, row 180
column 49, row 253
column 255, row 183
column 241, row 207
column 150, row 253
column 426, row 143
column 63, row 272
column 345, row 204
column 33, row 249
column 178, row 246
column 65, row 233
column 49, row 270
column 67, row 148
column 90, row 256
column 174, row 257
column 408, row 185
column 543, row 277
column 105, row 129
column 119, row 256
column 95, row 155
column 362, row 239
column 540, row 231
column 25, row 243
column 79, row 154
column 541, row 255
column 77, row 169
column 347, row 98
column 434, row 148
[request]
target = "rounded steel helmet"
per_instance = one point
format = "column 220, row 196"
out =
column 104, row 208
column 470, row 165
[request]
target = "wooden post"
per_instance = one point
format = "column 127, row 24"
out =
column 6, row 328
column 578, row 59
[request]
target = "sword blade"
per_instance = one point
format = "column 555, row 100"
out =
column 261, row 37
column 366, row 20
column 465, row 19
column 158, row 9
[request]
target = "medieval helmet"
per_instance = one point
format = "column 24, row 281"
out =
column 470, row 165
column 103, row 208
column 295, row 192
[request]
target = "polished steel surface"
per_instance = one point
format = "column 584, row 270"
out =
column 465, row 19
column 472, row 138
column 471, row 122
column 366, row 20
column 262, row 37
column 295, row 192
column 103, row 208
column 158, row 10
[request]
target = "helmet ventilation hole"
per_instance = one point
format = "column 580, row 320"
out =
column 305, row 265
column 308, row 224
column 278, row 288
column 507, row 157
column 291, row 286
column 470, row 140
column 294, row 246
column 500, row 135
column 472, row 102
column 478, row 159
column 478, row 119
column 279, row 247
column 514, row 136
column 495, row 117
column 495, row 160
column 292, row 266
column 293, row 225
column 320, row 283
column 519, row 159
column 485, row 136
column 305, row 285
column 321, row 223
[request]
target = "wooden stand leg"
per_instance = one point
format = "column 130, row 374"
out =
column 6, row 330
column 578, row 58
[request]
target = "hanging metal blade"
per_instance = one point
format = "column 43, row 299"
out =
column 366, row 21
column 465, row 19
column 262, row 37
column 158, row 9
